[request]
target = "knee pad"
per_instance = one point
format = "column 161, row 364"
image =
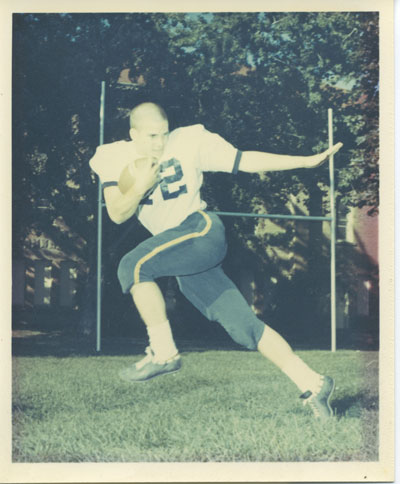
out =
column 237, row 318
column 246, row 334
column 126, row 271
column 123, row 274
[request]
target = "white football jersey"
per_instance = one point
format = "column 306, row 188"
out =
column 188, row 152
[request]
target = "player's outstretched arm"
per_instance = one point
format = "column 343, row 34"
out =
column 256, row 161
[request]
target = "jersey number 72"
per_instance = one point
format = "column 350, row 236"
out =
column 167, row 180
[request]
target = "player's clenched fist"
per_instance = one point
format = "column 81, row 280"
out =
column 143, row 173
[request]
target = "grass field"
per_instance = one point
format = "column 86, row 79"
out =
column 223, row 406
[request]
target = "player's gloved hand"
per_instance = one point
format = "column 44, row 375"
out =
column 316, row 160
column 146, row 174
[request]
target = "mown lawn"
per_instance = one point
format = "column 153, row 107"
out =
column 223, row 406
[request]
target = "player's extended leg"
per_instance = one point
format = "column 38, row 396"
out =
column 316, row 389
column 215, row 295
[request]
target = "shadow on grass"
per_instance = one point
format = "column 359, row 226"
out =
column 354, row 405
column 64, row 343
column 61, row 345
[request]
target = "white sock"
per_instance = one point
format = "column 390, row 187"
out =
column 277, row 349
column 301, row 374
column 161, row 341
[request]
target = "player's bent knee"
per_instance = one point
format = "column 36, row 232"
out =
column 247, row 335
column 129, row 273
column 244, row 329
column 235, row 315
column 122, row 274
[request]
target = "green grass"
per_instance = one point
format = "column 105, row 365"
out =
column 223, row 406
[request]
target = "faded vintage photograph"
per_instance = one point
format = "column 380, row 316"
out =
column 197, row 243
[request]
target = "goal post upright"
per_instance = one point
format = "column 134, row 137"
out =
column 100, row 225
column 333, row 232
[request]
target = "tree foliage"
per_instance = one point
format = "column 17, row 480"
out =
column 264, row 81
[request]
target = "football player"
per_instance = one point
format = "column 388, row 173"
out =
column 157, row 176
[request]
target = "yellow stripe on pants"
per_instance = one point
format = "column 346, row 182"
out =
column 171, row 243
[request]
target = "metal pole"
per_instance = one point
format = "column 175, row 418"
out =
column 100, row 226
column 272, row 215
column 333, row 235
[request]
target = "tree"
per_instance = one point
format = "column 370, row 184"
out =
column 264, row 81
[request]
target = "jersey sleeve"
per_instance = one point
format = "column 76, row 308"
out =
column 217, row 154
column 103, row 164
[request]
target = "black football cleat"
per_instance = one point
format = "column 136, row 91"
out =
column 149, row 368
column 319, row 402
